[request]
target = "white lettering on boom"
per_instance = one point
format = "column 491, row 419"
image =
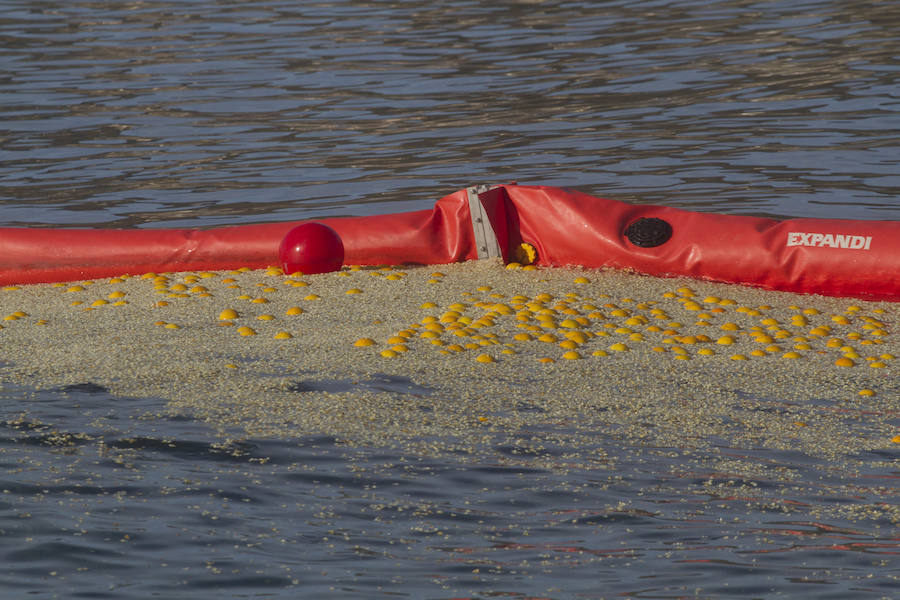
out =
column 829, row 240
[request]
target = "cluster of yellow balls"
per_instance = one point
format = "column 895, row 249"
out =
column 576, row 323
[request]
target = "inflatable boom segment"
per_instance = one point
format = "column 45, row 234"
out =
column 566, row 228
column 820, row 256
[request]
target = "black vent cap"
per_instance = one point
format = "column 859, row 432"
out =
column 648, row 232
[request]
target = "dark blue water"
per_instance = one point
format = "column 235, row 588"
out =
column 196, row 113
column 99, row 503
column 158, row 114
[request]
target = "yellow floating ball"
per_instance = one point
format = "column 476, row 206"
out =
column 844, row 362
column 485, row 358
column 619, row 347
column 577, row 336
column 294, row 310
column 283, row 335
column 246, row 331
column 388, row 353
column 228, row 314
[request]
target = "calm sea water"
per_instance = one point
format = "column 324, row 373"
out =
column 200, row 113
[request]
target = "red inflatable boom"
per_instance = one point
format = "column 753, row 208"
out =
column 822, row 256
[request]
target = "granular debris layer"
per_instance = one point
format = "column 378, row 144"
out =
column 438, row 359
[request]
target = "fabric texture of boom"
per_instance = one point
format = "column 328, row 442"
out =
column 567, row 228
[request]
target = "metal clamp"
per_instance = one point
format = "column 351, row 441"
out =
column 485, row 239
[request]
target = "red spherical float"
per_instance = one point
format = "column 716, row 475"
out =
column 311, row 248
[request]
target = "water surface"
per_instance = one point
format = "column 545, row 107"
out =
column 210, row 113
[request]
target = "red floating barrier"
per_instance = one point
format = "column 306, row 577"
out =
column 566, row 228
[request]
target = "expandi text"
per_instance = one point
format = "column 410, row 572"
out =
column 829, row 240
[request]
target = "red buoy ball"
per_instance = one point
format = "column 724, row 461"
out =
column 311, row 248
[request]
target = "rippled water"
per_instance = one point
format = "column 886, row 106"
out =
column 98, row 502
column 197, row 113
column 203, row 113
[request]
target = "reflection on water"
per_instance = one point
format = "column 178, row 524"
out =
column 207, row 113
column 99, row 498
